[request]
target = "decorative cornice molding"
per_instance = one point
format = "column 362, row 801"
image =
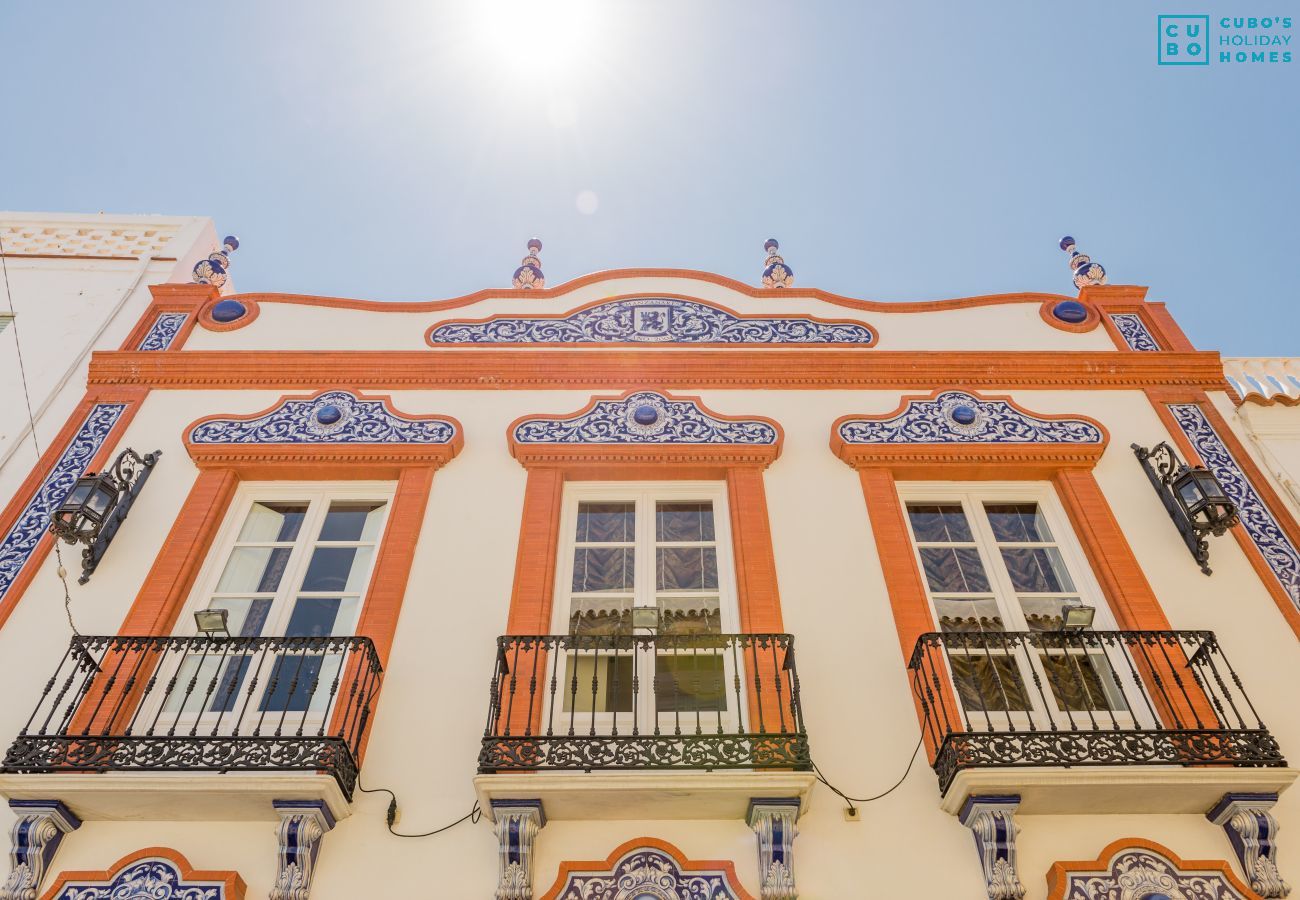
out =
column 329, row 427
column 653, row 863
column 963, row 427
column 662, row 368
column 661, row 319
column 644, row 427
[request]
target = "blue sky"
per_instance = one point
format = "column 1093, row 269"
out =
column 899, row 151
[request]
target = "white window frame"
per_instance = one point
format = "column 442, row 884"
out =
column 251, row 492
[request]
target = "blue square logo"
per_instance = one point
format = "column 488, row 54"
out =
column 1183, row 40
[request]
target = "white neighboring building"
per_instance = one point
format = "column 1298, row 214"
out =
column 75, row 283
column 1268, row 390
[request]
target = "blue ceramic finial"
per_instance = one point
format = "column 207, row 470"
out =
column 776, row 274
column 213, row 270
column 1086, row 271
column 529, row 275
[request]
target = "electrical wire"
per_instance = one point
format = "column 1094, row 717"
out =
column 31, row 421
column 473, row 815
column 851, row 800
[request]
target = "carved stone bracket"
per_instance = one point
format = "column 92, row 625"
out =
column 36, row 837
column 1252, row 830
column 517, row 824
column 992, row 820
column 303, row 824
column 774, row 823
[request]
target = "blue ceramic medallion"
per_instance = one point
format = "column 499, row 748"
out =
column 963, row 415
column 1070, row 311
column 645, row 415
column 328, row 414
column 228, row 311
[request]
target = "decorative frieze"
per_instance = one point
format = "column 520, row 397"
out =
column 1279, row 553
column 956, row 417
column 1134, row 332
column 153, row 874
column 646, row 867
column 1142, row 870
column 775, row 826
column 303, row 824
column 652, row 320
column 517, row 824
column 35, row 839
column 333, row 417
column 644, row 417
column 1252, row 830
column 163, row 331
column 992, row 821
column 19, row 544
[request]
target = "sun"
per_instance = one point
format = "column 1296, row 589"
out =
column 549, row 37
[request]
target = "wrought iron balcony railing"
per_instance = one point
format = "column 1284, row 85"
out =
column 1084, row 698
column 683, row 701
column 203, row 704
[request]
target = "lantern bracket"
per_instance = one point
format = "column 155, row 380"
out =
column 1164, row 469
column 128, row 474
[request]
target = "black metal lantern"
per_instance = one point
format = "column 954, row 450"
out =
column 98, row 503
column 1193, row 496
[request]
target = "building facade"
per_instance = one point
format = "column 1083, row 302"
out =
column 627, row 572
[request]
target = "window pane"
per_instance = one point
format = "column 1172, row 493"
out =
column 940, row 523
column 602, row 569
column 1017, row 522
column 968, row 615
column 321, row 616
column 954, row 570
column 689, row 681
column 350, row 521
column 689, row 615
column 272, row 522
column 687, row 568
column 988, row 681
column 684, row 522
column 613, row 674
column 337, row 569
column 1044, row 613
column 246, row 616
column 1082, row 681
column 253, row 570
column 1038, row 570
column 604, row 523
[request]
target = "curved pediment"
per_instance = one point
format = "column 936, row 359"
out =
column 958, row 417
column 647, row 867
column 329, row 417
column 642, row 320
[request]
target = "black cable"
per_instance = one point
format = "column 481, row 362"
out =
column 473, row 815
column 851, row 800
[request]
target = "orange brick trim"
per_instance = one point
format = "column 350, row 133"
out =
column 317, row 461
column 535, row 561
column 186, row 298
column 1160, row 400
column 211, row 324
column 875, row 332
column 133, row 398
column 751, row 533
column 231, row 882
column 1121, row 298
column 569, row 867
column 663, row 369
column 1088, row 324
column 171, row 579
column 1057, row 875
column 1125, row 586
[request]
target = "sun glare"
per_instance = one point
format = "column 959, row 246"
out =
column 544, row 37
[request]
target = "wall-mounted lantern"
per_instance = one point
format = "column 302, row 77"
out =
column 1193, row 496
column 97, row 504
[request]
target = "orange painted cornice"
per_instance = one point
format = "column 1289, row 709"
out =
column 676, row 368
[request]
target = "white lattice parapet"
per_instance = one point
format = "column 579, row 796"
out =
column 107, row 239
column 1264, row 379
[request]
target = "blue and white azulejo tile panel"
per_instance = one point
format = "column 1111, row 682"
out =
column 335, row 417
column 645, row 417
column 148, row 879
column 34, row 520
column 163, row 331
column 647, row 872
column 1134, row 332
column 1259, row 522
column 955, row 417
column 652, row 320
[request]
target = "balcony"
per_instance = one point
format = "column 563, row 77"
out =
column 594, row 723
column 154, row 718
column 1091, row 721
